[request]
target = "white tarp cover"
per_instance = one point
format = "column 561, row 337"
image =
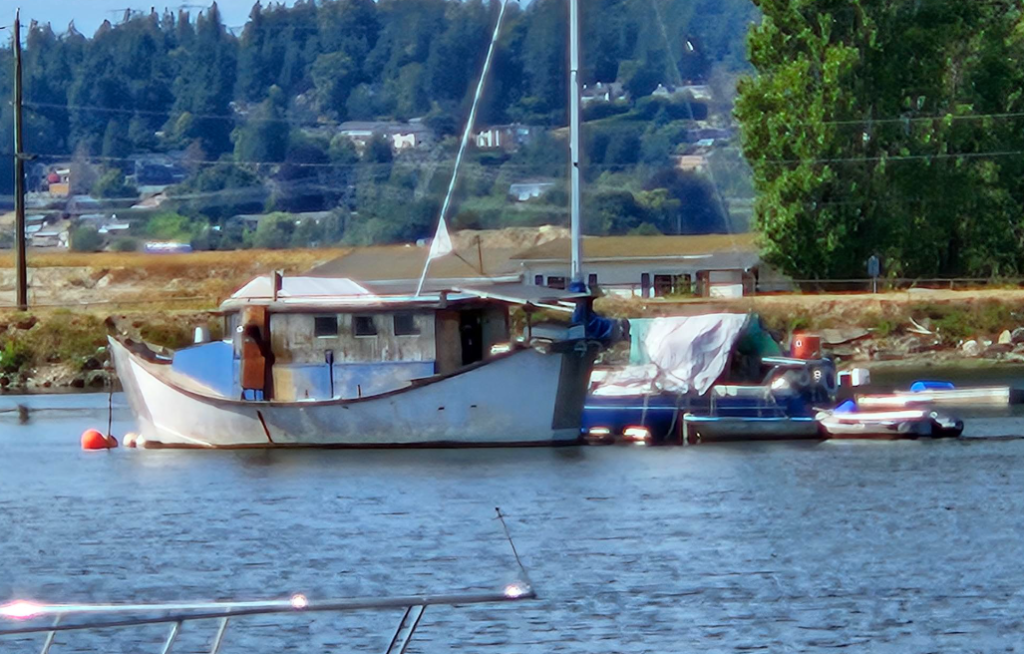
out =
column 298, row 287
column 689, row 354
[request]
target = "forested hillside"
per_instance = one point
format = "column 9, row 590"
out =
column 256, row 113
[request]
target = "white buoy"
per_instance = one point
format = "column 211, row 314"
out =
column 130, row 439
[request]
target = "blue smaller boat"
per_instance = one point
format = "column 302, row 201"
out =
column 711, row 378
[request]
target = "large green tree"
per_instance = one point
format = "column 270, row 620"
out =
column 881, row 127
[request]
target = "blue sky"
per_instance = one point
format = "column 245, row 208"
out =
column 88, row 14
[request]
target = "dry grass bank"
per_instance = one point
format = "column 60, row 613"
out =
column 159, row 281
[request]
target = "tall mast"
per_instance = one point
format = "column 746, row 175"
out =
column 19, row 174
column 574, row 140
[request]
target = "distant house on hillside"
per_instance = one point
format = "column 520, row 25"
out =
column 696, row 163
column 703, row 133
column 157, row 170
column 524, row 191
column 712, row 265
column 49, row 238
column 252, row 220
column 506, row 137
column 151, row 201
column 80, row 205
column 603, row 92
column 403, row 136
column 692, row 91
column 58, row 180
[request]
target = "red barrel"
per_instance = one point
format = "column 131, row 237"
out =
column 806, row 346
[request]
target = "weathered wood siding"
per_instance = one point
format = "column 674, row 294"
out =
column 448, row 342
column 495, row 327
column 293, row 339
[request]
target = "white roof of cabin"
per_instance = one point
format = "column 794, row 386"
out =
column 302, row 287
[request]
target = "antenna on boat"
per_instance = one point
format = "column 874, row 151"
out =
column 576, row 268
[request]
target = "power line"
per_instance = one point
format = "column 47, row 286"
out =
column 892, row 158
column 900, row 120
column 169, row 113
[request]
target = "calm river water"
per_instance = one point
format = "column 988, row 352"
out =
column 784, row 547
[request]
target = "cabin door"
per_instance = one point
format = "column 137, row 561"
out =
column 471, row 330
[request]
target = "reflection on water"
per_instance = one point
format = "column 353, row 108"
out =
column 802, row 547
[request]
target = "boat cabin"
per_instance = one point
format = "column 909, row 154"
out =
column 307, row 338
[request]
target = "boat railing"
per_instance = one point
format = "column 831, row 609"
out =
column 758, row 402
column 90, row 617
column 50, row 619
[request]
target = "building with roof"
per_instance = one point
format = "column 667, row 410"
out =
column 712, row 265
column 603, row 92
column 506, row 137
column 525, row 191
column 389, row 269
column 402, row 136
column 693, row 91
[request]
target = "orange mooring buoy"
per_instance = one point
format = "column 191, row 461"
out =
column 92, row 439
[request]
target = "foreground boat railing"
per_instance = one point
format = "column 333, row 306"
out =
column 179, row 613
column 176, row 614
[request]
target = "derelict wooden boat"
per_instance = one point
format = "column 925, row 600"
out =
column 450, row 378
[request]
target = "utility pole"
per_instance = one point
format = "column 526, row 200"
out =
column 19, row 174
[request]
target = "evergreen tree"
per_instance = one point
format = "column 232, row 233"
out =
column 205, row 84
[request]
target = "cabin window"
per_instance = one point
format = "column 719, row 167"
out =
column 363, row 326
column 325, row 326
column 592, row 280
column 556, row 282
column 405, row 325
column 645, row 284
column 538, row 280
column 671, row 285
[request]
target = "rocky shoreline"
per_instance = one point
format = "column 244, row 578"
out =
column 868, row 350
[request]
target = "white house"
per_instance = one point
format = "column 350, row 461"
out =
column 506, row 137
column 403, row 136
column 603, row 92
column 524, row 191
column 712, row 265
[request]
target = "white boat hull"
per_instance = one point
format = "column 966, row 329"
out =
column 891, row 424
column 523, row 398
column 961, row 397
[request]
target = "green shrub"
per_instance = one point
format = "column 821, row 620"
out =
column 166, row 334
column 125, row 244
column 66, row 336
column 13, row 356
column 86, row 239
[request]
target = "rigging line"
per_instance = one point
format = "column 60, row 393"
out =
column 726, row 215
column 515, row 553
column 472, row 111
column 468, row 130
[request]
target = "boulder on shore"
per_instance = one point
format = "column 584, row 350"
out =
column 971, row 348
column 1017, row 336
